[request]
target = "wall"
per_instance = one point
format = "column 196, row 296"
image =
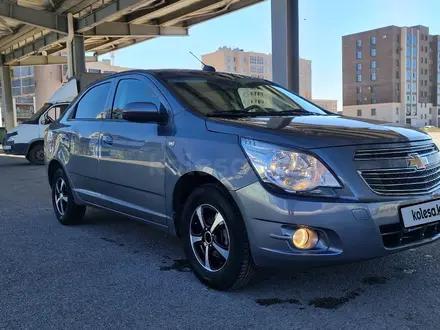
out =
column 47, row 80
column 384, row 111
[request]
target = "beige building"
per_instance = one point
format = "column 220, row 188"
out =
column 258, row 65
column 330, row 105
column 392, row 74
column 33, row 86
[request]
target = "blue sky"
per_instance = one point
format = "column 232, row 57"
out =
column 322, row 24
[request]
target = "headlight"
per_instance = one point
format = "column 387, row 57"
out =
column 11, row 136
column 291, row 170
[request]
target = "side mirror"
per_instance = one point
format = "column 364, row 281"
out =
column 144, row 112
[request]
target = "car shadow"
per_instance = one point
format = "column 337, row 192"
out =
column 327, row 287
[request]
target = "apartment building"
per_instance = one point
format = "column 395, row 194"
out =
column 33, row 86
column 236, row 60
column 392, row 74
column 330, row 105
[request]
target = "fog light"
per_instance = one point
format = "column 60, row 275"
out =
column 305, row 238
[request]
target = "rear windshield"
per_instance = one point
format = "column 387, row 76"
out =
column 228, row 93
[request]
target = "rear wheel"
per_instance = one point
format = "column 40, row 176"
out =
column 36, row 154
column 215, row 239
column 65, row 208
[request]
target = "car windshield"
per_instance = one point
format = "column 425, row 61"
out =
column 37, row 114
column 223, row 94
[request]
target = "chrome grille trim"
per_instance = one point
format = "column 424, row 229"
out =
column 395, row 153
column 403, row 181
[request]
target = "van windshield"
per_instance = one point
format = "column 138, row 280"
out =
column 224, row 94
column 37, row 114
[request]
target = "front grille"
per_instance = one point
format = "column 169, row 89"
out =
column 395, row 235
column 395, row 153
column 403, row 181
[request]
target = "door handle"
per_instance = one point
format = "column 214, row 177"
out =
column 107, row 139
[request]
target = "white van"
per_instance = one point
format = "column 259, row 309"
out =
column 27, row 139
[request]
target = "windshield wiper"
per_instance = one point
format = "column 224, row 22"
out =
column 237, row 113
column 293, row 112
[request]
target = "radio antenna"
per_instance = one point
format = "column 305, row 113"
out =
column 208, row 68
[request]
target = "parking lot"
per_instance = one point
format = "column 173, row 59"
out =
column 112, row 272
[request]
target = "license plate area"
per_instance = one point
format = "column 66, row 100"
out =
column 420, row 214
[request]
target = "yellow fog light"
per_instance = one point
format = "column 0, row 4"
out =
column 305, row 238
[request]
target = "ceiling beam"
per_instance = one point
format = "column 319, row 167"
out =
column 233, row 7
column 144, row 15
column 111, row 11
column 38, row 18
column 48, row 60
column 35, row 47
column 191, row 9
column 73, row 6
column 117, row 29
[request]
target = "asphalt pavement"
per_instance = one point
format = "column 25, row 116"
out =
column 112, row 273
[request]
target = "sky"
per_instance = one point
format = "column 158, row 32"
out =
column 322, row 25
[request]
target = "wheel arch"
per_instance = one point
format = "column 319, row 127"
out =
column 185, row 185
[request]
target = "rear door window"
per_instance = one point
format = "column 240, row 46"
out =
column 92, row 104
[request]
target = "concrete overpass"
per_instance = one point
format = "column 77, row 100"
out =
column 34, row 32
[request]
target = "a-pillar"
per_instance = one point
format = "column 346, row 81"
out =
column 285, row 43
column 7, row 103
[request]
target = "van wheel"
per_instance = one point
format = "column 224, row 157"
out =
column 65, row 208
column 36, row 154
column 215, row 239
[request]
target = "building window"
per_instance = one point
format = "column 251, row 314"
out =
column 253, row 59
column 397, row 86
column 408, row 75
column 397, row 74
column 426, row 60
column 359, row 66
column 373, row 112
column 243, row 59
column 426, row 71
column 358, row 43
column 359, row 89
column 398, row 62
column 373, row 51
column 414, row 76
column 397, row 111
column 229, row 68
column 228, row 59
column 430, row 110
column 426, row 83
column 373, row 75
column 373, row 65
column 359, row 112
column 372, row 40
column 359, row 78
column 414, row 52
column 235, row 69
column 408, row 63
column 414, row 39
column 358, row 55
column 408, row 121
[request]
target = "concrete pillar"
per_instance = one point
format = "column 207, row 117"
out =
column 285, row 43
column 7, row 102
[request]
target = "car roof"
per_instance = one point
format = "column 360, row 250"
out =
column 175, row 73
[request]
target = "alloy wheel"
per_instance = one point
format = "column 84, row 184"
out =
column 39, row 155
column 210, row 240
column 60, row 196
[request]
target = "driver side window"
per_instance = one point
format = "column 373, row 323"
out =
column 55, row 112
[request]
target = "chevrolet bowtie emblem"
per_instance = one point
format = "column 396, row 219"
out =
column 417, row 161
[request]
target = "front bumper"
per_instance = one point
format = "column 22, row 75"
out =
column 352, row 231
column 12, row 148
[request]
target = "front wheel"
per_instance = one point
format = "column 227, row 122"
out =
column 64, row 206
column 36, row 154
column 215, row 239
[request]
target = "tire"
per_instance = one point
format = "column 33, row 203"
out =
column 228, row 238
column 36, row 154
column 66, row 211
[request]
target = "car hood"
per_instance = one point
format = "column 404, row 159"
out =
column 316, row 131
